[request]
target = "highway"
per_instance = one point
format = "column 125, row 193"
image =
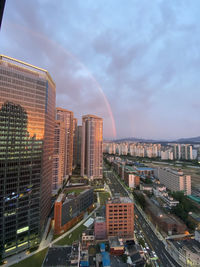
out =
column 151, row 238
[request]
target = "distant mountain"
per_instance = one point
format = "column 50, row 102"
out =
column 134, row 139
column 189, row 140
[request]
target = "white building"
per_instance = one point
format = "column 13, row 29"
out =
column 174, row 180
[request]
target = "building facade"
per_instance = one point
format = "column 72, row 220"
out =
column 68, row 210
column 91, row 149
column 120, row 217
column 27, row 112
column 75, row 140
column 174, row 180
column 79, row 138
column 100, row 228
column 59, row 155
column 67, row 117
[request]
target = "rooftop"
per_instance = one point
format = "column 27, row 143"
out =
column 25, row 65
column 91, row 116
column 190, row 244
column 61, row 256
column 122, row 200
column 115, row 242
column 130, row 169
column 144, row 169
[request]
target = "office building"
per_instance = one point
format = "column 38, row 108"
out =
column 91, row 154
column 27, row 112
column 174, row 180
column 67, row 117
column 69, row 209
column 120, row 217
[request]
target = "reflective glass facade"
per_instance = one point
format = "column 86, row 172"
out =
column 27, row 112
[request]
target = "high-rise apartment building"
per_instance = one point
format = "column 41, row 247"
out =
column 92, row 142
column 79, row 137
column 120, row 217
column 67, row 117
column 59, row 155
column 27, row 112
column 174, row 180
column 75, row 136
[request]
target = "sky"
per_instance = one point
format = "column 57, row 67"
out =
column 136, row 63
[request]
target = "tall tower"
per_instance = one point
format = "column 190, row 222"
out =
column 75, row 136
column 27, row 112
column 59, row 155
column 79, row 138
column 91, row 152
column 67, row 117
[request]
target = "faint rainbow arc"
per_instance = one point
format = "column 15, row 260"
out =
column 42, row 36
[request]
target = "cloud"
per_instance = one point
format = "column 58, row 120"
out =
column 144, row 55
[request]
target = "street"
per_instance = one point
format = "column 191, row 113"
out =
column 151, row 238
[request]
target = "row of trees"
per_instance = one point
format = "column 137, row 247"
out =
column 183, row 208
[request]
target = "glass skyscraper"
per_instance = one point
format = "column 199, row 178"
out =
column 27, row 112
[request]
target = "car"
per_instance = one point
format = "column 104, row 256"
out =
column 154, row 254
column 144, row 249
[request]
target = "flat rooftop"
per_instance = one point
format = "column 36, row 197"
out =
column 59, row 256
column 144, row 169
column 130, row 169
column 191, row 244
column 120, row 200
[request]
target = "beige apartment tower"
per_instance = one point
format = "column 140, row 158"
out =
column 59, row 155
column 91, row 149
column 63, row 147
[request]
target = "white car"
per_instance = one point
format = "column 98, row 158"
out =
column 144, row 249
column 154, row 254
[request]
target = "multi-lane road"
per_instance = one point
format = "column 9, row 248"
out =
column 165, row 258
column 151, row 238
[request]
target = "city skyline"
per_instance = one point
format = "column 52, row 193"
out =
column 145, row 68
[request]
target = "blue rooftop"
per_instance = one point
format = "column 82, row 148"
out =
column 105, row 259
column 102, row 247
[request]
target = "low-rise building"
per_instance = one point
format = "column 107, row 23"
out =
column 131, row 177
column 197, row 235
column 195, row 218
column 66, row 256
column 145, row 171
column 100, row 228
column 146, row 187
column 166, row 222
column 170, row 202
column 116, row 246
column 88, row 237
column 187, row 252
column 68, row 210
column 159, row 190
